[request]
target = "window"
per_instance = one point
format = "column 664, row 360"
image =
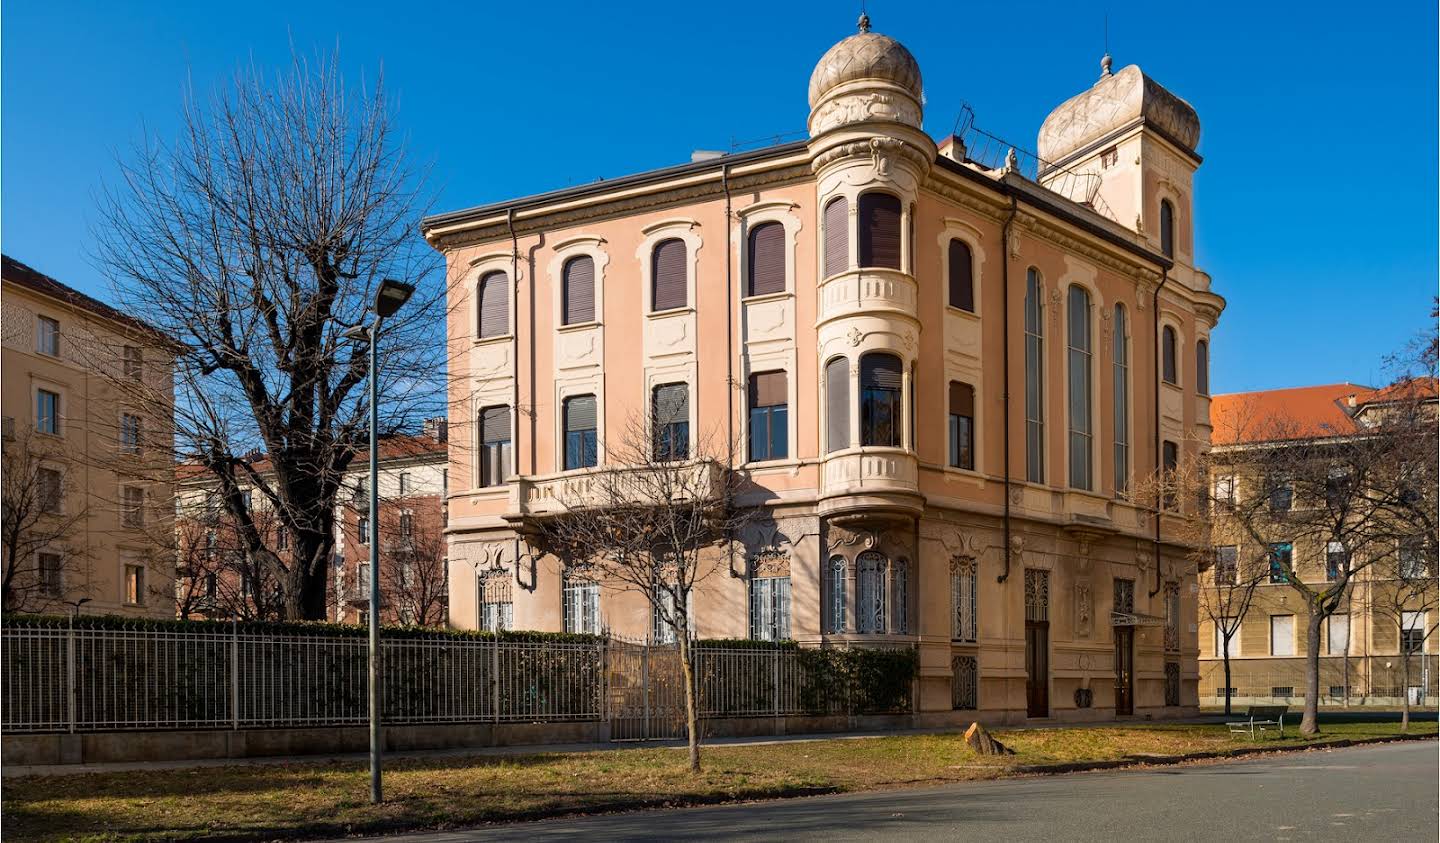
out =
column 1202, row 367
column 963, row 626
column 1412, row 632
column 769, row 417
column 1336, row 561
column 362, row 581
column 870, row 593
column 407, row 525
column 133, row 362
column 1229, row 648
column 1224, row 492
column 765, row 273
column 662, row 616
column 1167, row 355
column 1282, row 496
column 1034, row 379
column 1172, row 617
column 129, row 434
column 578, row 291
column 1170, row 455
column 770, row 608
column 581, row 442
column 962, row 276
column 404, row 482
column 49, row 484
column 1121, row 371
column 132, row 506
column 1079, row 391
column 47, row 412
column 668, row 281
column 1337, row 634
column 1413, row 565
column 671, row 421
column 1167, row 228
column 1227, row 560
column 880, row 411
column 282, row 538
column 1337, row 486
column 835, row 603
column 48, row 566
column 494, row 445
column 837, row 405
column 135, row 585
column 1281, row 562
column 1282, row 635
column 1109, row 158
column 837, row 236
column 1282, row 691
column 962, row 425
column 47, row 336
column 497, row 612
column 247, row 498
column 879, row 226
column 494, row 305
column 582, row 605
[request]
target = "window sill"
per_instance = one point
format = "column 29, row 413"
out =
column 962, row 312
column 772, row 465
column 767, row 297
column 495, row 340
column 674, row 311
column 577, row 326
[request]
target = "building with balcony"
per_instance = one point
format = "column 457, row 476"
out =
column 942, row 375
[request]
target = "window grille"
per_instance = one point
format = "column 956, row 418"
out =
column 963, row 582
column 965, row 683
column 1037, row 595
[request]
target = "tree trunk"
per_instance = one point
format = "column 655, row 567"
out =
column 311, row 551
column 1227, row 677
column 692, row 718
column 1310, row 720
column 1405, row 686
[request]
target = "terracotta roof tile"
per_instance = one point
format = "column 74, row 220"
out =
column 398, row 447
column 1271, row 415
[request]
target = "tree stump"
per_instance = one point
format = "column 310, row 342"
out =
column 984, row 743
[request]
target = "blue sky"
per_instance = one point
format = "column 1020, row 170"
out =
column 1316, row 209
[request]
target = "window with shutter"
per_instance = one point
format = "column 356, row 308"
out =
column 671, row 421
column 494, row 305
column 962, row 276
column 769, row 416
column 880, row 230
column 837, row 405
column 578, row 283
column 837, row 236
column 1167, row 355
column 880, row 406
column 767, row 259
column 581, row 449
column 962, row 425
column 494, row 445
column 668, row 275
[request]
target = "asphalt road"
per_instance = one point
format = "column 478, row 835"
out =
column 1386, row 792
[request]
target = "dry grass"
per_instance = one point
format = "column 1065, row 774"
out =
column 317, row 800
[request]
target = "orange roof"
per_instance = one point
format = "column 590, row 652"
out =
column 1421, row 388
column 398, row 447
column 1272, row 415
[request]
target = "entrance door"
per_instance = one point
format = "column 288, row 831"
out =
column 1124, row 670
column 1037, row 668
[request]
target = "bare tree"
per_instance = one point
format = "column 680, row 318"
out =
column 41, row 513
column 1227, row 598
column 413, row 580
column 1404, row 594
column 255, row 239
column 658, row 524
column 216, row 577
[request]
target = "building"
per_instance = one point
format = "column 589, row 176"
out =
column 1363, row 644
column 942, row 375
column 88, row 401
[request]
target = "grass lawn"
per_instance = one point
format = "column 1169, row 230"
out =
column 318, row 800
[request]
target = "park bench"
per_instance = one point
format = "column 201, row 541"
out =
column 1260, row 717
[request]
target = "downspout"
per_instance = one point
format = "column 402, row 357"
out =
column 515, row 356
column 1159, row 466
column 1005, row 367
column 729, row 358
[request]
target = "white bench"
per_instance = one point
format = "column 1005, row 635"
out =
column 1258, row 718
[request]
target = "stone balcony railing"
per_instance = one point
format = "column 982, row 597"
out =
column 868, row 291
column 549, row 495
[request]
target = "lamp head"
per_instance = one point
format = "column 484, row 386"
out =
column 391, row 296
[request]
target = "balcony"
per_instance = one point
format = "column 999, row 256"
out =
column 549, row 495
column 871, row 479
column 868, row 291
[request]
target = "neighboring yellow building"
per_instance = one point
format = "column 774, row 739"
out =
column 89, row 485
column 844, row 309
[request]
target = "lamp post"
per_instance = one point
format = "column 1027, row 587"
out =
column 388, row 299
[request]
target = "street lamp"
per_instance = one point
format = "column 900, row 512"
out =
column 388, row 299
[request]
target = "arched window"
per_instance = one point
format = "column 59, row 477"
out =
column 870, row 592
column 1122, row 401
column 1034, row 379
column 1202, row 367
column 879, row 226
column 837, row 236
column 1078, row 390
column 962, row 276
column 494, row 305
column 837, row 405
column 1167, row 228
column 835, row 595
column 1167, row 355
column 880, row 404
column 669, row 288
column 766, row 270
column 578, row 290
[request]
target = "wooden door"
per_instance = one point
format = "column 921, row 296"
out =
column 1124, row 670
column 1037, row 668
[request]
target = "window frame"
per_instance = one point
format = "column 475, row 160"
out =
column 1169, row 354
column 871, row 400
column 1120, row 399
column 1202, row 366
column 54, row 426
column 967, row 284
column 864, row 241
column 664, row 435
column 1289, row 640
column 494, row 452
column 960, row 430
column 1080, row 443
column 47, row 336
column 1034, row 338
column 138, row 590
column 769, row 413
column 1167, row 228
column 586, row 446
column 131, row 423
column 481, row 279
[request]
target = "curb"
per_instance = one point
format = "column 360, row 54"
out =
column 1170, row 760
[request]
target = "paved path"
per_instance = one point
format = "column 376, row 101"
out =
column 1383, row 792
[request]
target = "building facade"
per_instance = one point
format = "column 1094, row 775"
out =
column 88, row 403
column 941, row 377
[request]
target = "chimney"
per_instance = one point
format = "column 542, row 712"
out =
column 954, row 149
column 437, row 429
column 705, row 155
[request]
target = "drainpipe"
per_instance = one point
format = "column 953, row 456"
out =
column 1159, row 466
column 1005, row 367
column 515, row 356
column 729, row 358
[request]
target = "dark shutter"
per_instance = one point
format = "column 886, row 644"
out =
column 672, row 403
column 668, row 275
column 837, row 404
column 579, row 413
column 494, row 304
column 837, row 236
column 880, row 371
column 579, row 290
column 962, row 399
column 962, row 276
column 879, row 230
column 1167, row 354
column 1202, row 367
column 495, row 424
column 768, row 389
column 767, row 259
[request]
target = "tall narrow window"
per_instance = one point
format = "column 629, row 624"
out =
column 963, row 625
column 1282, row 635
column 1170, row 465
column 835, row 603
column 870, row 592
column 769, row 417
column 132, row 506
column 581, row 443
column 766, row 270
column 581, row 607
column 837, row 236
column 669, row 287
column 494, row 445
column 1079, row 389
column 1034, row 379
column 1167, row 355
column 405, row 484
column 1227, row 561
column 1413, row 631
column 962, row 425
column 880, row 405
column 1336, row 561
column 770, row 608
column 837, row 405
column 47, row 412
column 578, row 290
column 1202, row 367
column 1282, row 561
column 962, row 275
column 1172, row 617
column 879, row 226
column 497, row 609
column 1167, row 228
column 48, row 482
column 663, row 616
column 47, row 336
column 494, row 305
column 129, row 433
column 670, row 414
column 49, row 565
column 1337, row 634
column 133, row 362
column 1122, row 401
column 135, row 585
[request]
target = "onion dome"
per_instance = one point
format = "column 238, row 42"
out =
column 1113, row 104
column 865, row 55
